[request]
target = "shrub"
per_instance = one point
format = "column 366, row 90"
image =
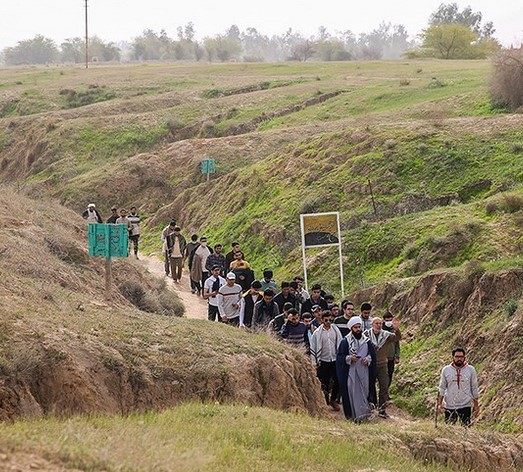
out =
column 437, row 83
column 390, row 143
column 506, row 85
column 506, row 203
column 511, row 307
column 517, row 148
column 404, row 82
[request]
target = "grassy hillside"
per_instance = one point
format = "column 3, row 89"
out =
column 446, row 172
column 288, row 139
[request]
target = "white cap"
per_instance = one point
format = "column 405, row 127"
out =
column 231, row 276
column 91, row 205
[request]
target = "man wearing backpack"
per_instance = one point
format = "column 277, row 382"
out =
column 210, row 291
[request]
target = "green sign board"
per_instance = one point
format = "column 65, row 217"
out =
column 106, row 240
column 208, row 166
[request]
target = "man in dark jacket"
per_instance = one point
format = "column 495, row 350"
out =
column 114, row 216
column 285, row 296
column 315, row 299
column 250, row 298
column 264, row 311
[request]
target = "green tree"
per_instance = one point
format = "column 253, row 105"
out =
column 72, row 50
column 449, row 41
column 39, row 50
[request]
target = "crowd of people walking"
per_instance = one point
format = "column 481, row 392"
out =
column 354, row 355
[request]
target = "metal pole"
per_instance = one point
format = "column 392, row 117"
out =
column 108, row 278
column 86, row 39
column 340, row 256
column 303, row 253
column 108, row 268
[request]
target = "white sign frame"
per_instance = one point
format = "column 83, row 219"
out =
column 339, row 244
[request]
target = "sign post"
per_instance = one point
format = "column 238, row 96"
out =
column 208, row 167
column 321, row 230
column 108, row 240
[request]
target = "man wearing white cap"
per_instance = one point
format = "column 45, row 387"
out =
column 91, row 214
column 355, row 365
column 230, row 300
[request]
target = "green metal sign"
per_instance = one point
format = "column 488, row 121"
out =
column 107, row 240
column 208, row 166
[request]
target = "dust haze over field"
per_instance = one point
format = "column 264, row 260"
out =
column 442, row 250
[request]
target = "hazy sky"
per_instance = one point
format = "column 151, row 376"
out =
column 115, row 20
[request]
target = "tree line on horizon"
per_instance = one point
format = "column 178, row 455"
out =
column 451, row 34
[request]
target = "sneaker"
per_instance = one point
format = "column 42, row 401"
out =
column 383, row 414
column 193, row 291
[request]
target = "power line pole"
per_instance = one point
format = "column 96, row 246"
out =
column 86, row 39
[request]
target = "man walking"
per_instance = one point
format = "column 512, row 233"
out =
column 229, row 257
column 324, row 346
column 176, row 247
column 341, row 321
column 458, row 386
column 230, row 300
column 250, row 298
column 285, row 296
column 210, row 292
column 114, row 216
column 169, row 229
column 393, row 350
column 355, row 366
column 264, row 311
column 216, row 259
column 197, row 261
column 315, row 299
column 134, row 232
column 381, row 340
column 91, row 214
column 191, row 246
column 366, row 320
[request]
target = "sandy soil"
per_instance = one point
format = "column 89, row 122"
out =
column 195, row 306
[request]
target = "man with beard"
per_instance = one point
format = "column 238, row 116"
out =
column 381, row 340
column 264, row 311
column 458, row 386
column 393, row 350
column 355, row 366
column 250, row 298
column 323, row 351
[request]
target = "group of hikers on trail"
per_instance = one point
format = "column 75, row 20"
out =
column 352, row 354
column 118, row 217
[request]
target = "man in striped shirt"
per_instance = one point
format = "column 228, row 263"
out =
column 230, row 300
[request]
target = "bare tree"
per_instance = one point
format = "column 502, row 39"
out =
column 506, row 86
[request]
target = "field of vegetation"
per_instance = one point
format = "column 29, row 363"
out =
column 444, row 165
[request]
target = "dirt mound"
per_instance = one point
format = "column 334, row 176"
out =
column 64, row 350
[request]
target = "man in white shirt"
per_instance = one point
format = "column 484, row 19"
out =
column 230, row 300
column 458, row 386
column 210, row 292
column 324, row 348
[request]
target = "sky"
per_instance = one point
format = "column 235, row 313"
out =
column 115, row 20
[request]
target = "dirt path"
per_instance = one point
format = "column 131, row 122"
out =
column 195, row 306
